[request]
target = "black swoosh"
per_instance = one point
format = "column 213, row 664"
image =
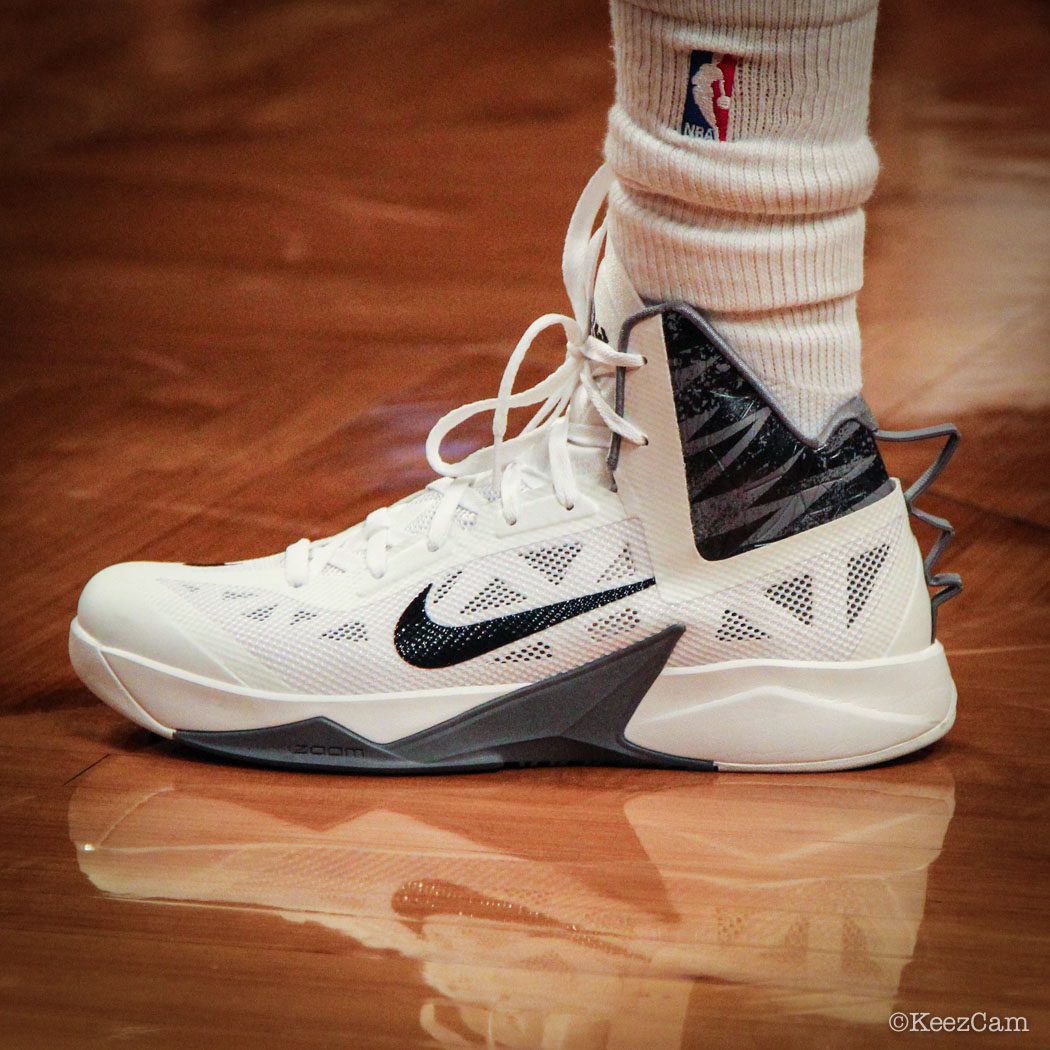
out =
column 423, row 643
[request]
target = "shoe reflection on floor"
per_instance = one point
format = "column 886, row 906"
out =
column 672, row 896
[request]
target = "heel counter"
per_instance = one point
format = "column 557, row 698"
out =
column 900, row 617
column 916, row 619
column 851, row 589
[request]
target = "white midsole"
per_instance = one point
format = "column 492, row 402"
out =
column 742, row 714
column 762, row 714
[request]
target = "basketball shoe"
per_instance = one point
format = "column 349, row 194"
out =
column 658, row 570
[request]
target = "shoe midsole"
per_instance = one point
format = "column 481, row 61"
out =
column 777, row 713
column 745, row 713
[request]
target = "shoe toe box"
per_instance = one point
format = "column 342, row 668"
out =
column 127, row 608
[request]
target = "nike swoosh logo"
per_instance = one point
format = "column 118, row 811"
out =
column 423, row 643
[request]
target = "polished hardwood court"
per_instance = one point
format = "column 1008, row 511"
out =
column 248, row 254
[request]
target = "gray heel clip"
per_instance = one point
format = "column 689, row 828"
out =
column 945, row 585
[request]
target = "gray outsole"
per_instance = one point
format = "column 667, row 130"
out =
column 574, row 718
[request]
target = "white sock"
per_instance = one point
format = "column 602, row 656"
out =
column 750, row 210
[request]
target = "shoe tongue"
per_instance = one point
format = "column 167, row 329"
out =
column 614, row 298
column 614, row 301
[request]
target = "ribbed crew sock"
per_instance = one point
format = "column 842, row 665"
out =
column 739, row 141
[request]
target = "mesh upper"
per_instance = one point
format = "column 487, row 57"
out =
column 814, row 601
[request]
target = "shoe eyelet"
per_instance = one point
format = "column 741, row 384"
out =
column 569, row 506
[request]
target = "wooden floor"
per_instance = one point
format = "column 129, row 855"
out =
column 248, row 253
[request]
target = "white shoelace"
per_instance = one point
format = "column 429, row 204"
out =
column 563, row 398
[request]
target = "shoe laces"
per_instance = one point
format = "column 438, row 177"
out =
column 541, row 451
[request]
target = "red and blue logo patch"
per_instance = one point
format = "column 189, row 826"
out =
column 709, row 95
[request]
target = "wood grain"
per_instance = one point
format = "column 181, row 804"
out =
column 248, row 253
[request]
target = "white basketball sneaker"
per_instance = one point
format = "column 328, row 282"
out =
column 657, row 571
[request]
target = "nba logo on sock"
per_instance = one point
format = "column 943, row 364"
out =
column 708, row 95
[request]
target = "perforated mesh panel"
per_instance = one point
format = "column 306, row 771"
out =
column 794, row 595
column 347, row 632
column 553, row 562
column 444, row 587
column 620, row 568
column 307, row 648
column 465, row 518
column 619, row 622
column 290, row 649
column 535, row 651
column 735, row 627
column 863, row 570
column 816, row 628
column 494, row 595
column 428, row 501
column 262, row 613
column 308, row 643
